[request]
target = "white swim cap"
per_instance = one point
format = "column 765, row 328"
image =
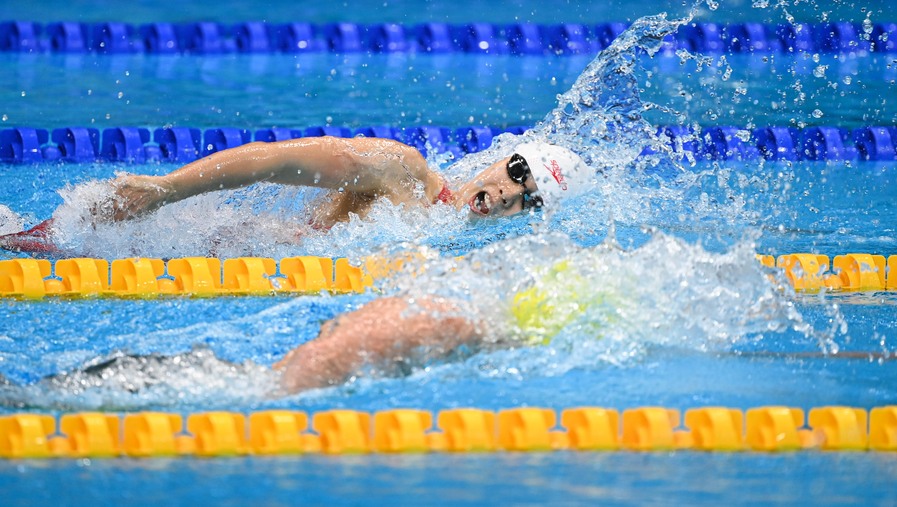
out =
column 559, row 173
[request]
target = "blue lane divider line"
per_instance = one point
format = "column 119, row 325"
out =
column 184, row 144
column 476, row 38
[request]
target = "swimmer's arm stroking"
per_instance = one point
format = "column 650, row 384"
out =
column 383, row 331
column 365, row 166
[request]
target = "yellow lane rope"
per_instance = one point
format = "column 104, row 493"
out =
column 203, row 276
column 273, row 432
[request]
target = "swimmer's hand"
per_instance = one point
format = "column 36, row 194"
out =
column 136, row 196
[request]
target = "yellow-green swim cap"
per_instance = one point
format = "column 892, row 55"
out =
column 558, row 298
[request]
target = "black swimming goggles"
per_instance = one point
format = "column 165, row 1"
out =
column 518, row 171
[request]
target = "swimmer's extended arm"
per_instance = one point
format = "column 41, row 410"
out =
column 381, row 332
column 365, row 166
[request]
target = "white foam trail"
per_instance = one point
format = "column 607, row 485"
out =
column 10, row 222
column 123, row 382
column 715, row 298
column 667, row 293
column 262, row 220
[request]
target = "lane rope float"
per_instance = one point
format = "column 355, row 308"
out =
column 139, row 145
column 474, row 38
column 529, row 429
column 209, row 276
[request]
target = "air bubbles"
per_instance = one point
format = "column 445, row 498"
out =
column 727, row 74
column 867, row 26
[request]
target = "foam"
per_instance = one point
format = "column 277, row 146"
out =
column 10, row 222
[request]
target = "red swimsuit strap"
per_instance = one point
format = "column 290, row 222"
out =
column 445, row 195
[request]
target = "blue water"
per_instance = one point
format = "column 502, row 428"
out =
column 688, row 235
column 515, row 479
column 278, row 90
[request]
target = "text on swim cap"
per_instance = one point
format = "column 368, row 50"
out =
column 555, row 171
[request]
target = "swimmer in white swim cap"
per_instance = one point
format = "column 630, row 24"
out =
column 537, row 174
column 357, row 171
column 363, row 169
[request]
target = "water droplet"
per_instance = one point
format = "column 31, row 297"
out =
column 817, row 113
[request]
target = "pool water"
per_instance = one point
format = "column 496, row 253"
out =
column 696, row 321
column 56, row 90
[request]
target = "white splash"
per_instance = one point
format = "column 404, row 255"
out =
column 10, row 222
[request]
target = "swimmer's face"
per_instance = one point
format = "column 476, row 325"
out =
column 504, row 188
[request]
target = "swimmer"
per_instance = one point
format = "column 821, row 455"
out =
column 388, row 331
column 357, row 171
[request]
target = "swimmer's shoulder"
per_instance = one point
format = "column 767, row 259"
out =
column 408, row 162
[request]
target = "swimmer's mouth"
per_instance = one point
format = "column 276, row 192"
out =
column 480, row 202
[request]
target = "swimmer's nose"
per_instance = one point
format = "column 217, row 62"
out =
column 510, row 195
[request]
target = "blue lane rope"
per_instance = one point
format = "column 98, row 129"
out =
column 184, row 144
column 478, row 38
